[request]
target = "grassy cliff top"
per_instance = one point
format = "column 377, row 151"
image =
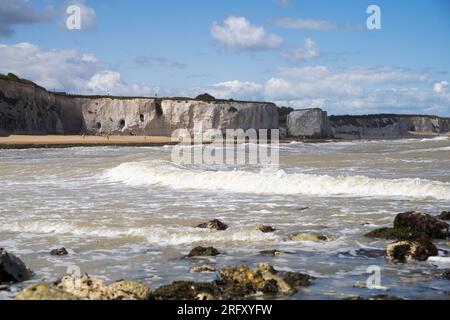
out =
column 208, row 98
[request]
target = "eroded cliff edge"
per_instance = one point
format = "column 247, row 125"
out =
column 26, row 108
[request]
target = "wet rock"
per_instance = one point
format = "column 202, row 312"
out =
column 422, row 223
column 445, row 215
column 132, row 289
column 203, row 252
column 407, row 251
column 446, row 274
column 186, row 290
column 4, row 288
column 12, row 269
column 214, row 225
column 265, row 229
column 44, row 291
column 275, row 253
column 94, row 289
column 263, row 279
column 308, row 237
column 59, row 252
column 394, row 234
column 203, row 268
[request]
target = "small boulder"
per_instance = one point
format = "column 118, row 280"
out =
column 94, row 289
column 12, row 269
column 213, row 225
column 203, row 252
column 44, row 291
column 59, row 252
column 446, row 274
column 308, row 237
column 445, row 215
column 186, row 290
column 394, row 234
column 409, row 250
column 265, row 229
column 203, row 268
column 423, row 223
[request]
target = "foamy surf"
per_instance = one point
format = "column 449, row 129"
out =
column 165, row 174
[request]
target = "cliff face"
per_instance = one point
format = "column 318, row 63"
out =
column 28, row 109
column 309, row 123
column 385, row 125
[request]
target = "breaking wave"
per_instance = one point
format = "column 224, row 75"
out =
column 166, row 174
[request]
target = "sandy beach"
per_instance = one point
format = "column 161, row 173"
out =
column 75, row 140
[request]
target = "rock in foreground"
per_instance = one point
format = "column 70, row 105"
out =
column 59, row 252
column 12, row 269
column 213, row 225
column 408, row 251
column 85, row 288
column 413, row 225
column 445, row 215
column 423, row 223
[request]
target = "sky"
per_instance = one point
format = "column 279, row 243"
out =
column 296, row 53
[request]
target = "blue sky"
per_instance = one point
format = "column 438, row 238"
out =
column 294, row 52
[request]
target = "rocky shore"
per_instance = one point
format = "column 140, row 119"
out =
column 411, row 239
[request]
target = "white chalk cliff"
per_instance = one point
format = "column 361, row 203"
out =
column 28, row 109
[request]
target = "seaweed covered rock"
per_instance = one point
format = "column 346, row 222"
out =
column 413, row 225
column 264, row 279
column 265, row 229
column 394, row 234
column 12, row 269
column 186, row 290
column 422, row 223
column 59, row 252
column 203, row 252
column 213, row 225
column 408, row 250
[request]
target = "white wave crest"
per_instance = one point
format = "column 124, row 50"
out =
column 164, row 174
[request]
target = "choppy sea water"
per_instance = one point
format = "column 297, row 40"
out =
column 129, row 212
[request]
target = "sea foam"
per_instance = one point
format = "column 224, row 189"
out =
column 165, row 174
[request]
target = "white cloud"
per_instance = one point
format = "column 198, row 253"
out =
column 305, row 24
column 238, row 34
column 19, row 12
column 357, row 90
column 66, row 70
column 440, row 87
column 307, row 52
column 234, row 89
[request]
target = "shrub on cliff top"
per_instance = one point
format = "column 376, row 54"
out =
column 205, row 97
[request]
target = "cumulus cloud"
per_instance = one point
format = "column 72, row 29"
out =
column 305, row 24
column 440, row 87
column 238, row 34
column 234, row 89
column 66, row 70
column 307, row 52
column 19, row 12
column 356, row 90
